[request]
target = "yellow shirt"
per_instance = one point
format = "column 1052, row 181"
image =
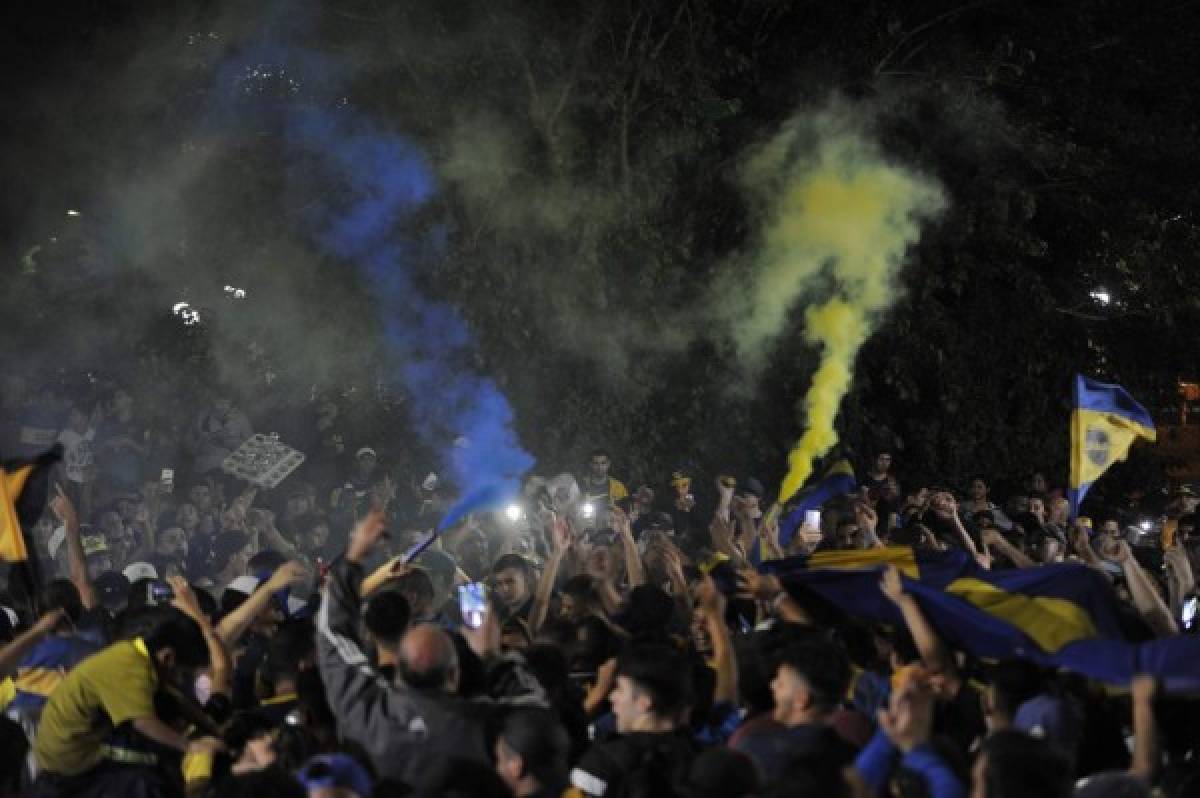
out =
column 8, row 691
column 101, row 693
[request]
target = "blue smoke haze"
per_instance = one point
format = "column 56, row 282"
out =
column 369, row 183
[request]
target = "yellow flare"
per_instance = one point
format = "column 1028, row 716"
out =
column 839, row 220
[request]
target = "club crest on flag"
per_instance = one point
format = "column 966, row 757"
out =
column 1097, row 445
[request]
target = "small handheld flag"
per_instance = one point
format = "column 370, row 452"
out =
column 1105, row 423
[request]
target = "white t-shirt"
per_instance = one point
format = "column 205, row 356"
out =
column 78, row 453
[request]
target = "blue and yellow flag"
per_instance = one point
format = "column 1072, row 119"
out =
column 1105, row 423
column 838, row 480
column 1057, row 615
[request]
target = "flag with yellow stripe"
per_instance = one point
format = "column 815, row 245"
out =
column 1059, row 615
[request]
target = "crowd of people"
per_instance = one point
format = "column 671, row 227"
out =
column 197, row 636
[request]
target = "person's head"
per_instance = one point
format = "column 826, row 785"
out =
column 511, row 577
column 335, row 776
column 1012, row 764
column 846, row 532
column 316, row 533
column 122, row 402
column 230, row 555
column 1109, row 525
column 109, row 523
column 653, row 690
column 172, row 544
column 883, row 461
column 428, row 659
column 579, row 599
column 365, row 461
column 251, row 737
column 175, row 643
column 200, row 495
column 810, row 679
column 99, row 556
column 386, row 618
column 598, row 464
column 978, row 489
column 417, row 589
column 62, row 594
column 187, row 516
column 531, row 751
column 1037, row 507
column 77, row 419
column 1037, row 484
column 470, row 547
column 297, row 504
column 442, row 570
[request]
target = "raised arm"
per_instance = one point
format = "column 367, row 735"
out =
column 633, row 559
column 768, row 589
column 235, row 624
column 1142, row 591
column 1145, row 729
column 220, row 663
column 561, row 542
column 712, row 603
column 931, row 648
column 62, row 508
column 14, row 651
column 995, row 542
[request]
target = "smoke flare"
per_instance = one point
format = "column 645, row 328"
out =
column 838, row 221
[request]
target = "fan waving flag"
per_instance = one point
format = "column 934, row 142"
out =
column 24, row 486
column 1105, row 423
column 1060, row 615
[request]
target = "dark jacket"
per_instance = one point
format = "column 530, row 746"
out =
column 405, row 731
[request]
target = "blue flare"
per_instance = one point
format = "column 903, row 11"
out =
column 369, row 182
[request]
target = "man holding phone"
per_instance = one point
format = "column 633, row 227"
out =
column 411, row 726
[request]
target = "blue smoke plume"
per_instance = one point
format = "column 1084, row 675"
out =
column 369, row 182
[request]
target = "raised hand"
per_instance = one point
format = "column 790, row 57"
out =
column 891, row 585
column 761, row 587
column 367, row 533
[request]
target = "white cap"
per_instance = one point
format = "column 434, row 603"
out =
column 295, row 605
column 243, row 584
column 13, row 620
column 365, row 451
column 139, row 570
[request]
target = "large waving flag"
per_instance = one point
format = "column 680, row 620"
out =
column 838, row 480
column 1057, row 615
column 1105, row 423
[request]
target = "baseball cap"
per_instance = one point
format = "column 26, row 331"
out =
column 366, row 451
column 113, row 588
column 1049, row 717
column 335, row 770
column 139, row 570
column 243, row 584
column 751, row 486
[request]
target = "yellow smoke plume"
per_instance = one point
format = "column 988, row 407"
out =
column 838, row 220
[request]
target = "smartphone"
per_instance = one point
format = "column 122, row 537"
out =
column 1189, row 612
column 472, row 604
column 167, row 480
column 813, row 518
column 159, row 593
column 423, row 541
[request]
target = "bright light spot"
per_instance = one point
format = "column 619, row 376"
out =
column 588, row 510
column 513, row 512
column 1145, row 525
column 236, row 293
column 188, row 314
column 72, row 213
column 1101, row 295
